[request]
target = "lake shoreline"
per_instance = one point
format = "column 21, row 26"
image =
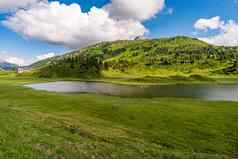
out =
column 148, row 82
column 210, row 92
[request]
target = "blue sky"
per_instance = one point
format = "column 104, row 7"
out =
column 177, row 18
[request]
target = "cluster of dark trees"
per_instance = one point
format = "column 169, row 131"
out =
column 82, row 65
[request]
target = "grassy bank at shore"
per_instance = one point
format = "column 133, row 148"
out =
column 38, row 124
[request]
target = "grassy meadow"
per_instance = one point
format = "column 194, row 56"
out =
column 42, row 125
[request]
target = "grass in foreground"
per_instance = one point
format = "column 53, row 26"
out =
column 36, row 124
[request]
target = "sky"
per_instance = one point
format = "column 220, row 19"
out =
column 32, row 30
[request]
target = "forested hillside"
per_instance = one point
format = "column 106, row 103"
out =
column 158, row 57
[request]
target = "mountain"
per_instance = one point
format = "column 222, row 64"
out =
column 7, row 66
column 43, row 63
column 157, row 57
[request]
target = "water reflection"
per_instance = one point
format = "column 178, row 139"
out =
column 207, row 92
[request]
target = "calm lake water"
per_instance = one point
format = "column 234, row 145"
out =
column 206, row 92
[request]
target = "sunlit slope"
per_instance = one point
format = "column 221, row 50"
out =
column 158, row 57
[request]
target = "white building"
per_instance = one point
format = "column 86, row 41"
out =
column 23, row 69
column 20, row 70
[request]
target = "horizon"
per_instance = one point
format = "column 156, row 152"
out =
column 119, row 79
column 70, row 51
column 34, row 30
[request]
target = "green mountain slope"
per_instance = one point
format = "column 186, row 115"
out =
column 138, row 58
column 43, row 63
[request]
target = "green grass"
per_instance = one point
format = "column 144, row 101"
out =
column 127, row 79
column 38, row 124
column 177, row 56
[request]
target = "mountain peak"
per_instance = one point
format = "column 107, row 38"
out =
column 6, row 65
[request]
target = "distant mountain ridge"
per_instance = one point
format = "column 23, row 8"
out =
column 157, row 57
column 7, row 66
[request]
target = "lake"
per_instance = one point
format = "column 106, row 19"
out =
column 206, row 92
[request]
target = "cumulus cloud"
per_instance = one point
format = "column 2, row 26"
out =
column 67, row 25
column 212, row 23
column 13, row 59
column 45, row 56
column 227, row 31
column 11, row 5
column 134, row 9
column 6, row 57
column 228, row 35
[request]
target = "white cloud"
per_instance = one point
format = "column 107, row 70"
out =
column 228, row 35
column 6, row 57
column 45, row 56
column 227, row 31
column 10, row 5
column 67, row 25
column 15, row 60
column 134, row 9
column 212, row 23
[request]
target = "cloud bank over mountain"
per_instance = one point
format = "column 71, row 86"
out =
column 45, row 56
column 14, row 59
column 6, row 57
column 227, row 31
